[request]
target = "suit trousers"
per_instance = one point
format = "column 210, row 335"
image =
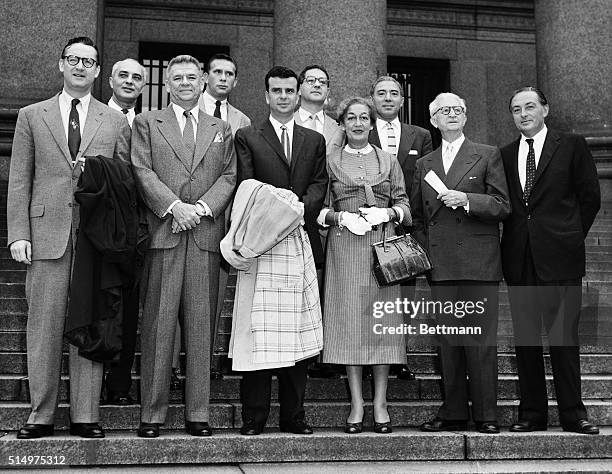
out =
column 474, row 358
column 556, row 305
column 47, row 290
column 183, row 277
column 256, row 392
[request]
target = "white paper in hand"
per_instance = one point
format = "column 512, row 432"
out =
column 435, row 182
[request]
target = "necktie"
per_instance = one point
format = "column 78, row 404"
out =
column 312, row 122
column 391, row 140
column 447, row 160
column 74, row 130
column 188, row 137
column 285, row 143
column 217, row 112
column 124, row 111
column 531, row 169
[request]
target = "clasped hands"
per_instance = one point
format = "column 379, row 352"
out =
column 361, row 223
column 186, row 216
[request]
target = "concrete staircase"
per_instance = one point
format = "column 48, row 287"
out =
column 411, row 402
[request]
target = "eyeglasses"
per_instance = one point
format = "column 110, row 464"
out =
column 310, row 80
column 74, row 60
column 447, row 110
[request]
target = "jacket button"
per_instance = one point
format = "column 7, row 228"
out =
column 427, row 203
column 458, row 220
column 69, row 204
column 192, row 178
column 528, row 216
column 460, row 243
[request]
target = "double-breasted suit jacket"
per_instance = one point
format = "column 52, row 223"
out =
column 41, row 208
column 261, row 157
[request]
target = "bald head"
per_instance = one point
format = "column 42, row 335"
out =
column 127, row 80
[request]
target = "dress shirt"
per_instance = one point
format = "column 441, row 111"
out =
column 65, row 105
column 456, row 145
column 538, row 144
column 381, row 128
column 209, row 105
column 277, row 128
column 319, row 119
column 131, row 112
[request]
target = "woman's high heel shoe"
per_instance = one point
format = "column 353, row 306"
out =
column 353, row 428
column 383, row 428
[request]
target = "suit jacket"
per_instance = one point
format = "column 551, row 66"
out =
column 462, row 246
column 562, row 207
column 261, row 157
column 412, row 138
column 165, row 173
column 235, row 117
column 42, row 181
column 330, row 129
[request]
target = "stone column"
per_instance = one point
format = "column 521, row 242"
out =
column 573, row 48
column 347, row 37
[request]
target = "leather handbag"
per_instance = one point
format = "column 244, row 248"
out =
column 398, row 258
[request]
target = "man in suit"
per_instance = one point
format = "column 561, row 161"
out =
column 285, row 155
column 185, row 165
column 458, row 224
column 127, row 81
column 51, row 141
column 408, row 143
column 554, row 192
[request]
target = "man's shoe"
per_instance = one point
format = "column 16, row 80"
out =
column 32, row 431
column 402, row 372
column 198, row 428
column 437, row 424
column 296, row 427
column 86, row 430
column 582, row 426
column 250, row 428
column 148, row 430
column 488, row 427
column 120, row 399
column 527, row 426
column 175, row 381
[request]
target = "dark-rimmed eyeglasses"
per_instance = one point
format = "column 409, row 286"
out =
column 310, row 80
column 447, row 110
column 74, row 60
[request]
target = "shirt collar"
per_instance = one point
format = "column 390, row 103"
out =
column 178, row 111
column 67, row 99
column 366, row 149
column 383, row 123
column 538, row 137
column 114, row 105
column 277, row 125
column 456, row 144
column 209, row 100
column 305, row 115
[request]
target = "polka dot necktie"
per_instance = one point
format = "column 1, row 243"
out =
column 531, row 169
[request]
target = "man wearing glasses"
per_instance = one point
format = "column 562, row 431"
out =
column 459, row 196
column 51, row 140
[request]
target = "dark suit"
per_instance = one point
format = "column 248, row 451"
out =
column 181, row 270
column 261, row 157
column 465, row 256
column 543, row 260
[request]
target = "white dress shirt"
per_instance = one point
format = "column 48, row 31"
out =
column 447, row 159
column 131, row 112
column 277, row 128
column 209, row 105
column 319, row 119
column 382, row 129
column 65, row 105
column 538, row 144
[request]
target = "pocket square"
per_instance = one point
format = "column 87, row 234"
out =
column 473, row 177
column 218, row 138
column 413, row 152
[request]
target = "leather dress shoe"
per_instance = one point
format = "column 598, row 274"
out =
column 582, row 426
column 175, row 381
column 437, row 424
column 296, row 427
column 148, row 430
column 527, row 426
column 198, row 428
column 118, row 398
column 86, row 430
column 488, row 427
column 402, row 372
column 250, row 428
column 383, row 428
column 32, row 431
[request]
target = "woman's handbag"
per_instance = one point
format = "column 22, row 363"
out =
column 398, row 259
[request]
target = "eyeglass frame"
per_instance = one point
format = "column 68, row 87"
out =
column 454, row 108
column 80, row 60
column 312, row 80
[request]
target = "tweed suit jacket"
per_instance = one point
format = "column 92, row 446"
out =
column 330, row 129
column 165, row 173
column 415, row 142
column 564, row 201
column 40, row 204
column 462, row 246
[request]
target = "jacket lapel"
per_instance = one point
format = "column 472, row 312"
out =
column 512, row 170
column 550, row 145
column 53, row 119
column 406, row 140
column 433, row 162
column 207, row 132
column 95, row 114
column 465, row 159
column 374, row 139
column 267, row 130
column 169, row 128
column 296, row 145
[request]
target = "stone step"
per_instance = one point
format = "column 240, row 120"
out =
column 12, row 290
column 14, row 388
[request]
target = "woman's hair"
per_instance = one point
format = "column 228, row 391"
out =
column 346, row 103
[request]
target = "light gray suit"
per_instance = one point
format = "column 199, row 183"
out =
column 331, row 131
column 41, row 208
column 181, row 270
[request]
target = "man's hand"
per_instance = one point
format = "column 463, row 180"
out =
column 185, row 215
column 454, row 199
column 21, row 251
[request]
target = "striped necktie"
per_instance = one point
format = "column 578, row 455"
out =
column 391, row 140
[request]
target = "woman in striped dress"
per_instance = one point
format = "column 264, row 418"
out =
column 366, row 190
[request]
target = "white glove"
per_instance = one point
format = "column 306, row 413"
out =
column 375, row 215
column 357, row 225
